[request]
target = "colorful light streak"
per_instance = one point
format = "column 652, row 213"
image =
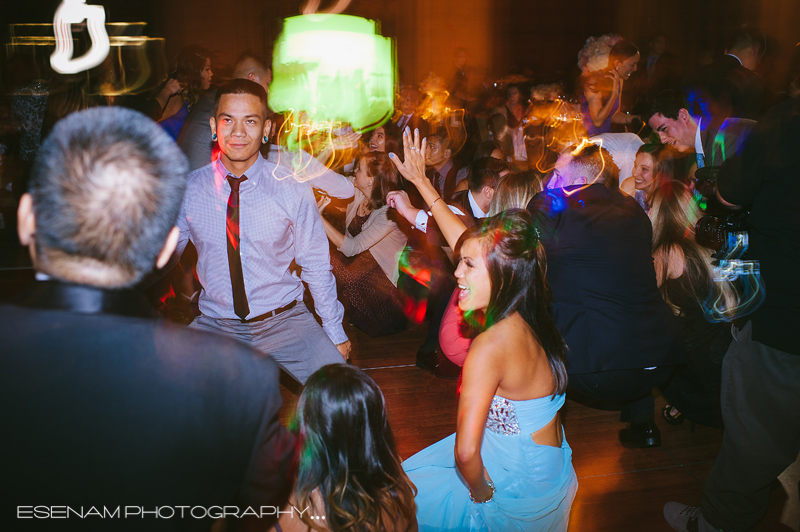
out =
column 74, row 12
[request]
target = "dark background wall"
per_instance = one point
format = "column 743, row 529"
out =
column 500, row 34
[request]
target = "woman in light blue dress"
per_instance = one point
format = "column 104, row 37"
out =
column 508, row 466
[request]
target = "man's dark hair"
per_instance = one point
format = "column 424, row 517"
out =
column 594, row 163
column 667, row 103
column 748, row 37
column 243, row 86
column 442, row 137
column 485, row 172
column 249, row 55
column 107, row 186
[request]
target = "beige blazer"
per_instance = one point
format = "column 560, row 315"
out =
column 379, row 235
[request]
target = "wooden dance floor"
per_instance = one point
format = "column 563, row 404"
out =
column 619, row 489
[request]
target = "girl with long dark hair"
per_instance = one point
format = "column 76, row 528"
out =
column 508, row 466
column 192, row 77
column 349, row 470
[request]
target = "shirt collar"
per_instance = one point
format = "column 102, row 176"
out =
column 446, row 168
column 253, row 173
column 84, row 299
column 740, row 61
column 475, row 208
column 698, row 143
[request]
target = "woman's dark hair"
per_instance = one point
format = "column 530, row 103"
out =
column 517, row 267
column 384, row 174
column 189, row 64
column 393, row 139
column 621, row 51
column 486, row 148
column 349, row 454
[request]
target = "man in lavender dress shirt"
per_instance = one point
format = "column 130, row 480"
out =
column 277, row 224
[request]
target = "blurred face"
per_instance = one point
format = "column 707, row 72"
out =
column 240, row 127
column 377, row 142
column 627, row 67
column 678, row 133
column 659, row 45
column 474, row 285
column 461, row 59
column 363, row 181
column 435, row 154
column 206, row 74
column 513, row 95
column 643, row 171
column 408, row 102
column 562, row 174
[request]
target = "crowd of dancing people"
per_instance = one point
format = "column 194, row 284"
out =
column 551, row 240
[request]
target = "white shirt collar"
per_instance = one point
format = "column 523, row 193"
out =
column 740, row 61
column 698, row 144
column 475, row 208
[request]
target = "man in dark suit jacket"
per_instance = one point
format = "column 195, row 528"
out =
column 621, row 336
column 409, row 115
column 442, row 168
column 730, row 87
column 712, row 143
column 154, row 426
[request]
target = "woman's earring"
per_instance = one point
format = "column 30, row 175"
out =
column 265, row 139
column 213, row 136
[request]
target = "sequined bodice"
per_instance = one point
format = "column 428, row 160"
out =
column 511, row 418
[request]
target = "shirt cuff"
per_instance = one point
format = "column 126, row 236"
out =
column 421, row 222
column 336, row 333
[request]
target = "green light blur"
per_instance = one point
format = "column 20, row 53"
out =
column 335, row 68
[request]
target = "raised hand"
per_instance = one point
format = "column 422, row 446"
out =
column 323, row 202
column 413, row 169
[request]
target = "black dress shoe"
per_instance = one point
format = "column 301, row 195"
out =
column 640, row 435
column 438, row 364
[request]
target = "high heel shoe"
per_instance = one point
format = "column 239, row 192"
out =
column 676, row 419
column 666, row 413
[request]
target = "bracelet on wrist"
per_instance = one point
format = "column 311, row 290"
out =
column 491, row 496
column 432, row 204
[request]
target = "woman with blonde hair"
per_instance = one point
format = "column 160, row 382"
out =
column 515, row 191
column 684, row 271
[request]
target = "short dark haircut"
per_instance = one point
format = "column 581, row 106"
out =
column 748, row 37
column 485, row 172
column 107, row 185
column 622, row 51
column 249, row 55
column 595, row 163
column 667, row 103
column 243, row 86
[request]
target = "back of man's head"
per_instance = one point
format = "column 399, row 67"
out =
column 253, row 66
column 485, row 172
column 594, row 163
column 747, row 38
column 106, row 188
column 667, row 103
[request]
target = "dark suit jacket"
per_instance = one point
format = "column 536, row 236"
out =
column 416, row 122
column 195, row 136
column 449, row 180
column 103, row 407
column 605, row 300
column 732, row 89
column 725, row 142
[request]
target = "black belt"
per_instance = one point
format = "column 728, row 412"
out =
column 271, row 313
